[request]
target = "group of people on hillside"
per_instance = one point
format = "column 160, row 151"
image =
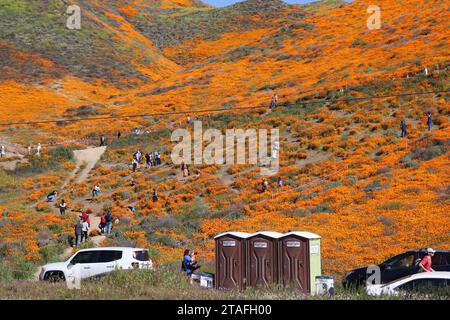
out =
column 84, row 224
column 185, row 170
column 404, row 127
column 152, row 159
column 265, row 184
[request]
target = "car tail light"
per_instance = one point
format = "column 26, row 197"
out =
column 135, row 265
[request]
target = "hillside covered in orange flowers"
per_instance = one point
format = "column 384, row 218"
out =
column 347, row 174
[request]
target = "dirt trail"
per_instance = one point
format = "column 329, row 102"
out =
column 86, row 156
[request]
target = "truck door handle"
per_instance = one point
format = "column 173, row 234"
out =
column 86, row 267
column 110, row 267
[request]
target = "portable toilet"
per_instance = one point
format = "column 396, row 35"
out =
column 262, row 258
column 230, row 252
column 299, row 260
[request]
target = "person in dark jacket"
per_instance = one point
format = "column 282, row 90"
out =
column 155, row 196
column 62, row 207
column 403, row 128
column 109, row 221
column 78, row 233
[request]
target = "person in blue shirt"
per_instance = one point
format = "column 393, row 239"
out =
column 429, row 120
column 186, row 266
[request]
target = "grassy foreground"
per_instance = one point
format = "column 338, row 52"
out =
column 160, row 284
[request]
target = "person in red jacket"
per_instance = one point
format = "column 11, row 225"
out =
column 102, row 223
column 85, row 217
column 426, row 262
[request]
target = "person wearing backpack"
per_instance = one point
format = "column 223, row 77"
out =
column 108, row 223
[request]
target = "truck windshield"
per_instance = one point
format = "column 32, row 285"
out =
column 141, row 255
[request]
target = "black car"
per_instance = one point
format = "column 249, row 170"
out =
column 398, row 266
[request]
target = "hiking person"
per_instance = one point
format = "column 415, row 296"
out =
column 78, row 233
column 155, row 196
column 188, row 119
column 52, row 196
column 38, row 149
column 280, row 182
column 96, row 191
column 84, row 231
column 108, row 222
column 134, row 163
column 148, row 161
column 429, row 120
column 186, row 263
column 403, row 128
column 29, row 150
column 265, row 184
column 102, row 224
column 157, row 158
column 85, row 217
column 426, row 262
column 426, row 71
column 62, row 207
column 274, row 102
column 2, row 152
column 186, row 171
column 118, row 135
column 102, row 141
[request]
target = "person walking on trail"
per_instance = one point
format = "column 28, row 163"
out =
column 85, row 217
column 265, row 185
column 78, row 233
column 186, row 171
column 188, row 119
column 279, row 182
column 62, row 207
column 102, row 224
column 274, row 102
column 134, row 163
column 96, row 191
column 102, row 141
column 2, row 152
column 38, row 149
column 118, row 135
column 29, row 150
column 51, row 197
column 426, row 262
column 148, row 161
column 108, row 222
column 155, row 196
column 157, row 159
column 429, row 120
column 403, row 128
column 85, row 231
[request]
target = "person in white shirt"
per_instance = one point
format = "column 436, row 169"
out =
column 85, row 231
column 38, row 149
column 2, row 152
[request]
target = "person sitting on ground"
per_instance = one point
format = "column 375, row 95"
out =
column 186, row 262
column 62, row 207
column 52, row 196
